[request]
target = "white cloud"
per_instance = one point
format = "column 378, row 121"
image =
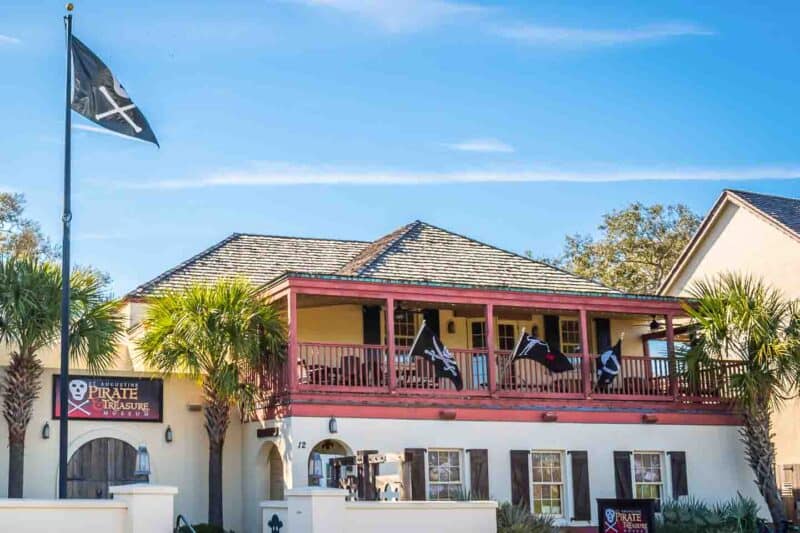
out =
column 401, row 16
column 572, row 37
column 7, row 39
column 283, row 174
column 482, row 145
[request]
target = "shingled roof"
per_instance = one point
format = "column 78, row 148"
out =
column 417, row 252
column 785, row 211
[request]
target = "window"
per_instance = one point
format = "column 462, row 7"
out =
column 404, row 330
column 505, row 336
column 444, row 474
column 648, row 475
column 478, row 332
column 570, row 336
column 548, row 483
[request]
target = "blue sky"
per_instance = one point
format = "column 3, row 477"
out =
column 513, row 122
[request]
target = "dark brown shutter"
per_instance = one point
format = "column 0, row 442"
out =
column 479, row 474
column 372, row 324
column 622, row 475
column 581, row 500
column 602, row 334
column 552, row 332
column 677, row 466
column 520, row 478
column 431, row 317
column 415, row 465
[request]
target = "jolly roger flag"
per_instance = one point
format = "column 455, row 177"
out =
column 608, row 365
column 99, row 96
column 428, row 346
column 532, row 348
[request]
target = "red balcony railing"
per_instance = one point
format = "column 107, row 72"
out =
column 342, row 365
column 527, row 376
column 418, row 373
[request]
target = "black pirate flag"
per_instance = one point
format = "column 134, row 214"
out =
column 99, row 96
column 529, row 347
column 428, row 346
column 608, row 365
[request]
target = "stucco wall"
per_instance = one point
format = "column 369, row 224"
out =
column 182, row 463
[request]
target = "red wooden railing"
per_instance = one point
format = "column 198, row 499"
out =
column 357, row 367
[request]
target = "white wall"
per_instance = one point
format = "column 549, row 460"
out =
column 182, row 463
column 73, row 516
column 715, row 463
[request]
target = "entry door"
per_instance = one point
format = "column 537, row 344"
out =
column 99, row 464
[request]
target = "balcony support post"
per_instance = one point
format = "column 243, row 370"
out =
column 491, row 361
column 585, row 366
column 292, row 359
column 390, row 345
column 673, row 367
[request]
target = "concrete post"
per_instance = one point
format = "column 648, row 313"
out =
column 150, row 507
column 316, row 509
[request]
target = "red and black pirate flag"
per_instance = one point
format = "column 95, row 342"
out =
column 427, row 345
column 529, row 347
column 99, row 96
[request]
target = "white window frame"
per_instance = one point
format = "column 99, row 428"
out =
column 514, row 335
column 564, row 343
column 461, row 472
column 564, row 483
column 666, row 478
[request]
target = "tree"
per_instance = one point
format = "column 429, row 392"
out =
column 740, row 318
column 30, row 305
column 20, row 235
column 637, row 248
column 214, row 334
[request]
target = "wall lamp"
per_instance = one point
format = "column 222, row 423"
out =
column 168, row 434
column 46, row 430
column 333, row 426
column 142, row 463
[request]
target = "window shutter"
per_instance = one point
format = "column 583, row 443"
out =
column 520, row 478
column 602, row 334
column 372, row 324
column 479, row 474
column 414, row 473
column 431, row 317
column 581, row 501
column 622, row 475
column 552, row 332
column 677, row 468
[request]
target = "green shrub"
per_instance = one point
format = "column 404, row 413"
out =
column 738, row 515
column 203, row 528
column 518, row 519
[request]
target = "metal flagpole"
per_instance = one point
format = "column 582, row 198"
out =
column 66, row 218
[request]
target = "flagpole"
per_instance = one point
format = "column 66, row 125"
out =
column 66, row 218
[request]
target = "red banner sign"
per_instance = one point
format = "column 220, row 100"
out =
column 111, row 398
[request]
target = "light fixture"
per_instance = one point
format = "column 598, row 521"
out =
column 46, row 430
column 451, row 327
column 168, row 434
column 333, row 426
column 142, row 463
column 654, row 325
column 315, row 475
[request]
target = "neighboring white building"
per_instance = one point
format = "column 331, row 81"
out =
column 756, row 234
column 515, row 432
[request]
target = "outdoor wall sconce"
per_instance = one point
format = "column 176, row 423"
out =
column 46, row 430
column 549, row 416
column 142, row 463
column 168, row 434
column 333, row 426
column 649, row 418
column 451, row 327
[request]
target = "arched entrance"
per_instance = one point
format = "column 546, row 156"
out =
column 320, row 473
column 99, row 464
column 275, row 474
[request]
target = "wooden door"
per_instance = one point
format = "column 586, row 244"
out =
column 99, row 464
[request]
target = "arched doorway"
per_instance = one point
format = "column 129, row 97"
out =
column 275, row 474
column 320, row 472
column 99, row 464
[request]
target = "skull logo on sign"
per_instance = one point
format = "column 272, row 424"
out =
column 77, row 389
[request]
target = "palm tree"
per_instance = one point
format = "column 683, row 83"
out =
column 740, row 318
column 214, row 334
column 30, row 305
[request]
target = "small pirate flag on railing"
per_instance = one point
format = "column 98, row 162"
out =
column 99, row 96
column 428, row 346
column 529, row 347
column 608, row 365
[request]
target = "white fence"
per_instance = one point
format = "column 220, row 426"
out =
column 320, row 510
column 135, row 509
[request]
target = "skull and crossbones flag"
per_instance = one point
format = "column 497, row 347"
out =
column 428, row 346
column 99, row 96
column 608, row 365
column 529, row 347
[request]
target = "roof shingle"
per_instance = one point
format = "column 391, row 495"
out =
column 785, row 211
